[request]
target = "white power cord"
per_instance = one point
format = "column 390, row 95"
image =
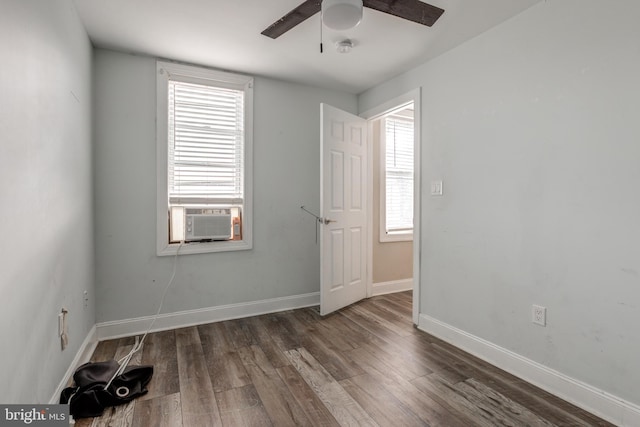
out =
column 123, row 362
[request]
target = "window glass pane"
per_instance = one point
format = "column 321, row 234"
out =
column 399, row 173
column 205, row 143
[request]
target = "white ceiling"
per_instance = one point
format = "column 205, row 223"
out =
column 225, row 34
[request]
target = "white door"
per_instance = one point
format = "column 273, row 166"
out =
column 343, row 238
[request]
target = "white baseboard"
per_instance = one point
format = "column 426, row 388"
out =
column 82, row 356
column 181, row 319
column 598, row 402
column 382, row 288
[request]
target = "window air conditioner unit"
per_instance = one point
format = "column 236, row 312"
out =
column 207, row 224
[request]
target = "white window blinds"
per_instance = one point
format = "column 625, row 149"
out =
column 206, row 140
column 399, row 173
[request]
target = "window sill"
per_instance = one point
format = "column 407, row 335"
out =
column 396, row 237
column 204, row 247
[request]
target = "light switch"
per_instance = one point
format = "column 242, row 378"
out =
column 436, row 188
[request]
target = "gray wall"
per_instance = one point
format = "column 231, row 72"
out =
column 46, row 217
column 534, row 128
column 285, row 258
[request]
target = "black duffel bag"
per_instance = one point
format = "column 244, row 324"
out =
column 89, row 397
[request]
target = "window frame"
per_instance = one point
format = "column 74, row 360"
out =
column 166, row 71
column 401, row 235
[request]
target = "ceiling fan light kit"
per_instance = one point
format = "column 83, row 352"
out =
column 341, row 15
column 344, row 46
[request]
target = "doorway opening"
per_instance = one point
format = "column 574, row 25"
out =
column 394, row 235
column 392, row 140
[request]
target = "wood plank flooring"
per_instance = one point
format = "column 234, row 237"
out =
column 363, row 366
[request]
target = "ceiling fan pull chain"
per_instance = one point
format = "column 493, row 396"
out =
column 321, row 49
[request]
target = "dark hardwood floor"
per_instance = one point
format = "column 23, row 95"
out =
column 365, row 365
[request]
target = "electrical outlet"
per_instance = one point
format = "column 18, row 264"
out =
column 539, row 315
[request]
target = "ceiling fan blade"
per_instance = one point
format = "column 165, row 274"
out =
column 293, row 18
column 413, row 10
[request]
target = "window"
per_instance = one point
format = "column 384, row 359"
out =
column 397, row 142
column 204, row 143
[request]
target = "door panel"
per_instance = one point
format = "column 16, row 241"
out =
column 337, row 261
column 337, row 181
column 343, row 189
column 356, row 254
column 356, row 182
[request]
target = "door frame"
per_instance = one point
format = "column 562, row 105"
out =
column 372, row 115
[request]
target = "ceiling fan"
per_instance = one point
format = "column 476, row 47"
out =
column 345, row 14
